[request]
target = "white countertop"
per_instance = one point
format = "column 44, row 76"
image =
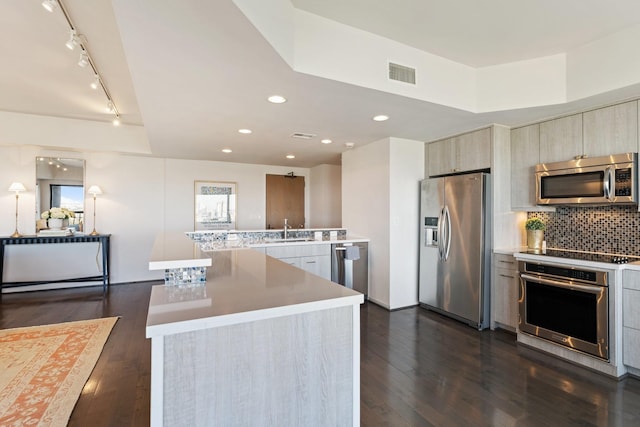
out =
column 242, row 286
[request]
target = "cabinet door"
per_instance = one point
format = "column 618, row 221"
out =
column 442, row 157
column 318, row 265
column 525, row 154
column 506, row 297
column 631, row 325
column 473, row 150
column 295, row 261
column 561, row 139
column 611, row 130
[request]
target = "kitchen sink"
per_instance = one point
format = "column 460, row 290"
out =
column 291, row 239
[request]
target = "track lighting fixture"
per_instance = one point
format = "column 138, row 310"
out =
column 84, row 59
column 95, row 84
column 50, row 5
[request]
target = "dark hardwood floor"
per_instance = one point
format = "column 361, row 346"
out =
column 418, row 369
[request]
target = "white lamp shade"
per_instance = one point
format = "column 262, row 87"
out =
column 94, row 190
column 17, row 187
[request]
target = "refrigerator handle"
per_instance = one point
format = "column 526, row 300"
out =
column 441, row 235
column 448, row 238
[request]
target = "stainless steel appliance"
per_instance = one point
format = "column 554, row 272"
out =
column 353, row 274
column 566, row 305
column 455, row 247
column 594, row 181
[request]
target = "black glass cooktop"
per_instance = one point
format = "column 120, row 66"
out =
column 586, row 256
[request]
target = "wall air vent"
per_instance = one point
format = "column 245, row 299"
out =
column 302, row 135
column 401, row 73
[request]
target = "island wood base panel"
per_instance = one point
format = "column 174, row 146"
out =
column 285, row 371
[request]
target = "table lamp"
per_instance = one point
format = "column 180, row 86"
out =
column 94, row 190
column 17, row 187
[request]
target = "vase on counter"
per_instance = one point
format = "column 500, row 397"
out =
column 534, row 239
column 55, row 223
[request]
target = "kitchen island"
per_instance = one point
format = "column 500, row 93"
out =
column 259, row 342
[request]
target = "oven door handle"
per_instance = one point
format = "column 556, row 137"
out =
column 585, row 288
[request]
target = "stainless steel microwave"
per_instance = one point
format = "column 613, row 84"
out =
column 595, row 181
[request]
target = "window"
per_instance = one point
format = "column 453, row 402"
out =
column 67, row 196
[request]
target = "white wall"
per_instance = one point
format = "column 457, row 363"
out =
column 406, row 171
column 380, row 200
column 142, row 196
column 325, row 197
column 609, row 63
column 522, row 84
column 365, row 209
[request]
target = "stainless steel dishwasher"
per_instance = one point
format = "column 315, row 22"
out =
column 353, row 274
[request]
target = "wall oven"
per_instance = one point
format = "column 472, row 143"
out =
column 594, row 181
column 566, row 305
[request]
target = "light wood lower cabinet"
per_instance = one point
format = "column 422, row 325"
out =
column 631, row 318
column 505, row 292
column 315, row 259
column 319, row 265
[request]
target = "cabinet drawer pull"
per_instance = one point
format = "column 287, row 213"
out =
column 507, row 262
column 504, row 275
column 310, row 262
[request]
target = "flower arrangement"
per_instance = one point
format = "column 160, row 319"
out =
column 58, row 213
column 534, row 224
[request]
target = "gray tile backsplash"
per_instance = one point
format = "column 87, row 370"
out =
column 608, row 229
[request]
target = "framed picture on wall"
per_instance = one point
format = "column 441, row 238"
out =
column 215, row 205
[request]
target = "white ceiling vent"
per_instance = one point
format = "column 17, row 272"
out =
column 401, row 73
column 302, row 135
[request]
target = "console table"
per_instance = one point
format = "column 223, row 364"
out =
column 102, row 239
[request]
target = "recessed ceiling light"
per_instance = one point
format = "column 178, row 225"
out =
column 290, row 156
column 349, row 144
column 226, row 150
column 245, row 131
column 326, row 141
column 380, row 118
column 277, row 99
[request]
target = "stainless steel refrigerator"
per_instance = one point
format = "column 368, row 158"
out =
column 455, row 247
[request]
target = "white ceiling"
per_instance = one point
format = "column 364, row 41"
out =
column 194, row 72
column 487, row 32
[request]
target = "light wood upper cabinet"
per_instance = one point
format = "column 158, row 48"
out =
column 525, row 154
column 561, row 139
column 462, row 153
column 474, row 150
column 601, row 132
column 611, row 130
column 442, row 157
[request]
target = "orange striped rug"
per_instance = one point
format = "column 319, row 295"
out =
column 44, row 368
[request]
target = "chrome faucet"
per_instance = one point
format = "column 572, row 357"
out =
column 286, row 228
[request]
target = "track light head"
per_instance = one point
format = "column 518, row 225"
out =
column 73, row 40
column 95, row 84
column 50, row 5
column 84, row 59
column 109, row 106
column 116, row 121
